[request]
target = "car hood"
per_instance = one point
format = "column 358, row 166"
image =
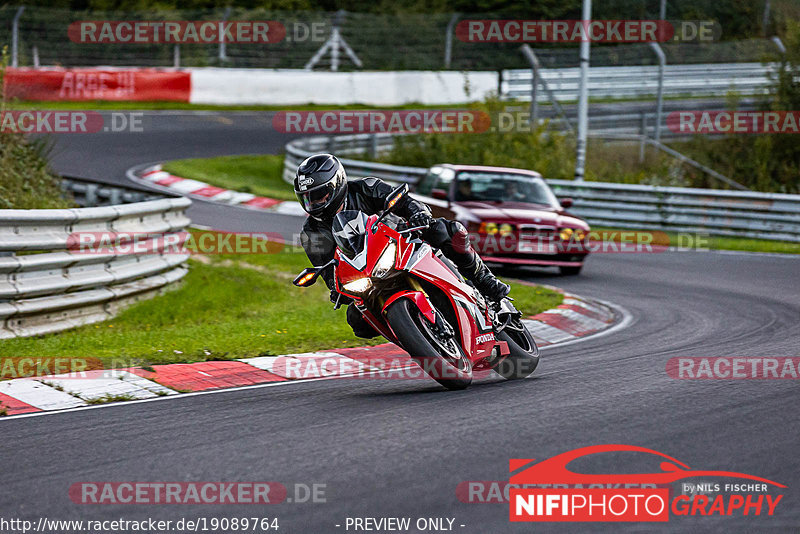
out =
column 519, row 213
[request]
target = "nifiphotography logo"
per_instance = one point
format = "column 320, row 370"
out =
column 549, row 491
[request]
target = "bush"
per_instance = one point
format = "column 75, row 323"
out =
column 551, row 153
column 26, row 181
column 764, row 162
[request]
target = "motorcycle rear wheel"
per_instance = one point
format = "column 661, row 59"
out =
column 443, row 360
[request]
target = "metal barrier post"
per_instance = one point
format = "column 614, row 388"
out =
column 529, row 54
column 448, row 44
column 583, row 97
column 534, row 109
column 373, row 146
column 222, row 55
column 15, row 37
column 777, row 40
column 176, row 56
column 643, row 137
column 662, row 61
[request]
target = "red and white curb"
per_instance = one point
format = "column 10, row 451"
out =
column 575, row 319
column 155, row 176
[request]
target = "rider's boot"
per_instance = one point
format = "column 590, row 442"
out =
column 472, row 267
column 487, row 283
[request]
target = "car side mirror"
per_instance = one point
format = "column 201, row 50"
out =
column 565, row 202
column 439, row 194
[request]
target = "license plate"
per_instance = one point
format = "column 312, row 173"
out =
column 525, row 246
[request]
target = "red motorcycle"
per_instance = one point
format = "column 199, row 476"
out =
column 416, row 298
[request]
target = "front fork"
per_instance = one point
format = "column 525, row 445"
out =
column 505, row 315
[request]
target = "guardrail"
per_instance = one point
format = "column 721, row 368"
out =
column 715, row 212
column 47, row 286
column 96, row 193
column 352, row 145
column 710, row 211
column 711, row 79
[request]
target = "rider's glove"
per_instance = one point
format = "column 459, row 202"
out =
column 421, row 218
column 344, row 300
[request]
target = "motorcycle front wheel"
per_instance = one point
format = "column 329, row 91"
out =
column 524, row 354
column 442, row 358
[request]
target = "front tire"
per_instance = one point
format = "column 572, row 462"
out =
column 523, row 355
column 443, row 360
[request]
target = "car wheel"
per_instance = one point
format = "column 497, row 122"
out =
column 570, row 271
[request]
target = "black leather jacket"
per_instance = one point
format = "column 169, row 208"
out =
column 367, row 195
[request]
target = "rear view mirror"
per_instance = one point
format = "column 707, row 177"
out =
column 307, row 277
column 394, row 197
column 565, row 202
column 310, row 274
column 440, row 194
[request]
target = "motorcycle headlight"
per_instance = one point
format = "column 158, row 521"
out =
column 565, row 234
column 506, row 229
column 386, row 262
column 358, row 286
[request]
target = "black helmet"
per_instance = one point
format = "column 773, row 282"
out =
column 321, row 185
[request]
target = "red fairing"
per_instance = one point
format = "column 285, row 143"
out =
column 419, row 260
column 419, row 299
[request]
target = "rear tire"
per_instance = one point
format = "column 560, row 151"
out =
column 570, row 271
column 431, row 354
column 524, row 354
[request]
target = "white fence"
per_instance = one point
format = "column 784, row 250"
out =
column 713, row 79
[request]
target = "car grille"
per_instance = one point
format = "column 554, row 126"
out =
column 536, row 231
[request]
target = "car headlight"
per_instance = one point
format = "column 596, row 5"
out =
column 506, row 229
column 488, row 228
column 580, row 235
column 565, row 234
column 386, row 262
column 358, row 286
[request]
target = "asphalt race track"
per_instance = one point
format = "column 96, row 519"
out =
column 400, row 448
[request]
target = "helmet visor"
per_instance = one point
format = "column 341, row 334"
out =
column 318, row 198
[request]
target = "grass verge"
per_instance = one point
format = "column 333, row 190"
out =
column 109, row 105
column 147, row 105
column 260, row 175
column 227, row 307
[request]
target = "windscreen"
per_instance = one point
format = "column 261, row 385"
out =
column 503, row 187
column 349, row 231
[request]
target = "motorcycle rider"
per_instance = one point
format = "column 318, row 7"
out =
column 323, row 190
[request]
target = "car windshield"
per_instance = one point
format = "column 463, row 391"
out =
column 349, row 229
column 503, row 187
